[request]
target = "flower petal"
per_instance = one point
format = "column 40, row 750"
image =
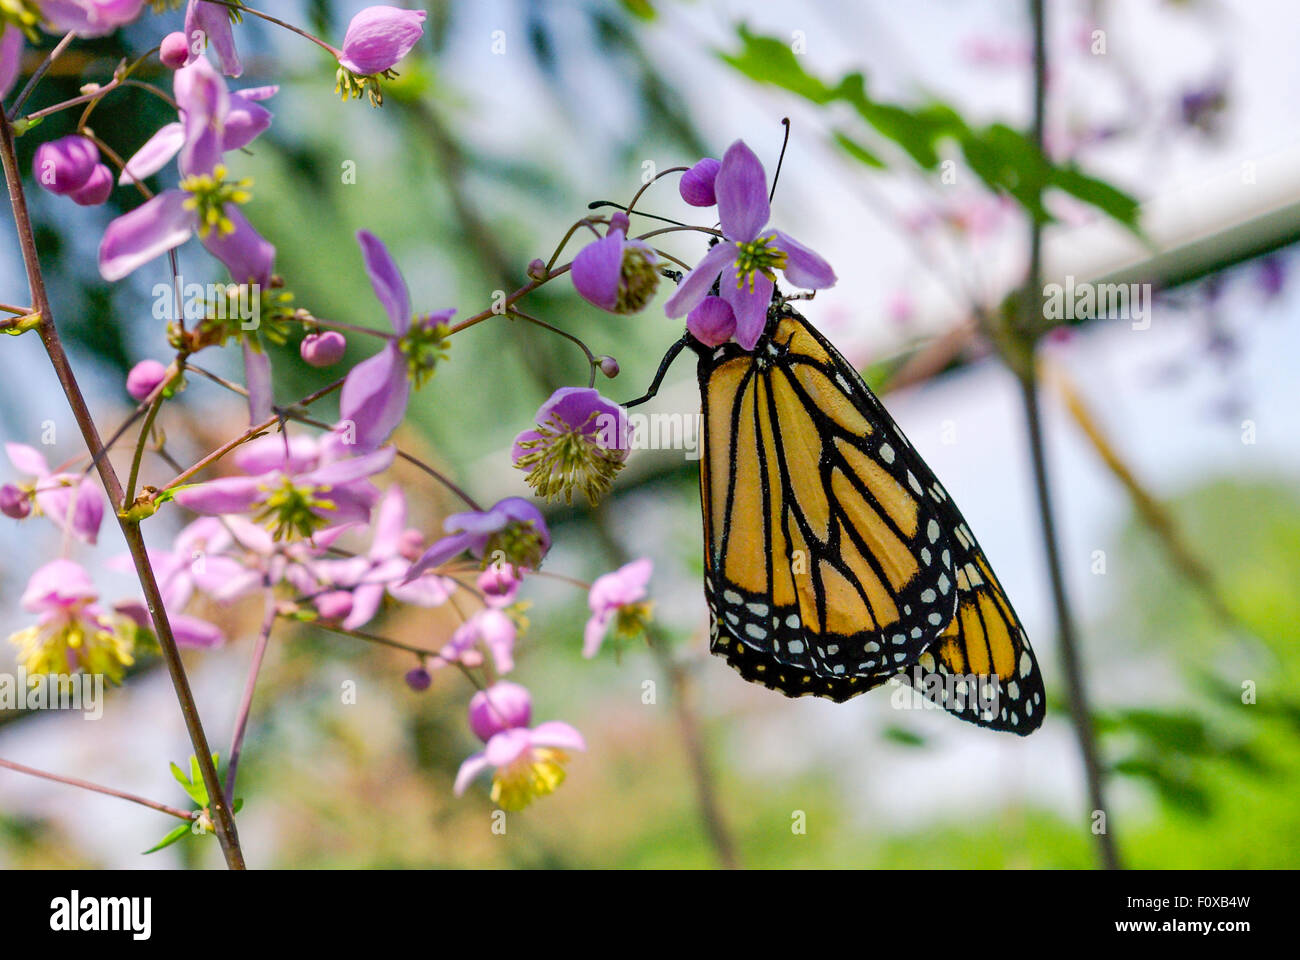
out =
column 697, row 284
column 155, row 154
column 11, row 57
column 387, row 280
column 750, row 306
column 741, row 186
column 712, row 322
column 597, row 269
column 439, row 552
column 212, row 20
column 227, row 495
column 378, row 37
column 148, row 231
column 474, row 765
column 593, row 635
column 554, row 733
column 27, row 459
column 803, row 267
column 248, row 255
column 257, row 379
column 374, row 397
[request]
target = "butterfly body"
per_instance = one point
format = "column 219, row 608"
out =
column 834, row 558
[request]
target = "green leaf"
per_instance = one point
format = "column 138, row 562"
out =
column 858, row 151
column 1109, row 199
column 903, row 737
column 773, row 61
column 641, row 9
column 171, row 837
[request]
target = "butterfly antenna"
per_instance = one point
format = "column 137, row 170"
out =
column 597, row 204
column 785, row 121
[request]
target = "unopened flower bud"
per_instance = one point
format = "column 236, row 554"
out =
column 323, row 349
column 502, row 706
column 609, row 367
column 64, row 165
column 174, row 51
column 13, row 502
column 418, row 679
column 537, row 269
column 696, row 186
column 334, row 605
column 96, row 189
column 144, row 378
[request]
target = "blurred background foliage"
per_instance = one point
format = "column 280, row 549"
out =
column 468, row 177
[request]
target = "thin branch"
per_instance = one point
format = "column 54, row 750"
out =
column 97, row 788
column 246, row 701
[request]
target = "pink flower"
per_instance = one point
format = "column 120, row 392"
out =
column 174, row 51
column 378, row 37
column 489, row 627
column 295, row 504
column 616, row 595
column 525, row 763
column 11, row 57
column 75, row 503
column 745, row 264
column 212, row 122
column 72, row 633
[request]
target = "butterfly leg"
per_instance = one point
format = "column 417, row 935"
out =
column 664, row 364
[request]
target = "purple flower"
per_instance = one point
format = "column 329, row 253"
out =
column 378, row 37
column 512, row 531
column 73, row 502
column 89, row 18
column 502, row 706
column 64, row 165
column 383, row 569
column 295, row 504
column 580, row 441
column 526, row 763
column 745, row 264
column 375, row 393
column 212, row 122
column 323, row 349
column 211, row 24
column 615, row 273
column 696, row 185
column 72, row 632
column 617, row 597
column 144, row 378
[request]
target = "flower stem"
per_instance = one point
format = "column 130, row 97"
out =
column 97, row 788
column 40, row 72
column 138, row 455
column 223, row 820
column 246, row 701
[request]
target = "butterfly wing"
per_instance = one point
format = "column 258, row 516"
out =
column 826, row 548
column 982, row 668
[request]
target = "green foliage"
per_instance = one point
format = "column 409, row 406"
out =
column 1005, row 159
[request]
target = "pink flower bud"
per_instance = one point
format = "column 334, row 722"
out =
column 174, row 51
column 609, row 367
column 96, row 189
column 537, row 269
column 418, row 679
column 63, row 166
column 696, row 186
column 144, row 378
column 13, row 502
column 501, row 706
column 323, row 349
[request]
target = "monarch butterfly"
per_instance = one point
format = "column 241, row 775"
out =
column 834, row 559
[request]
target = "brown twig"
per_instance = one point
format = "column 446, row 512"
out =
column 97, row 788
